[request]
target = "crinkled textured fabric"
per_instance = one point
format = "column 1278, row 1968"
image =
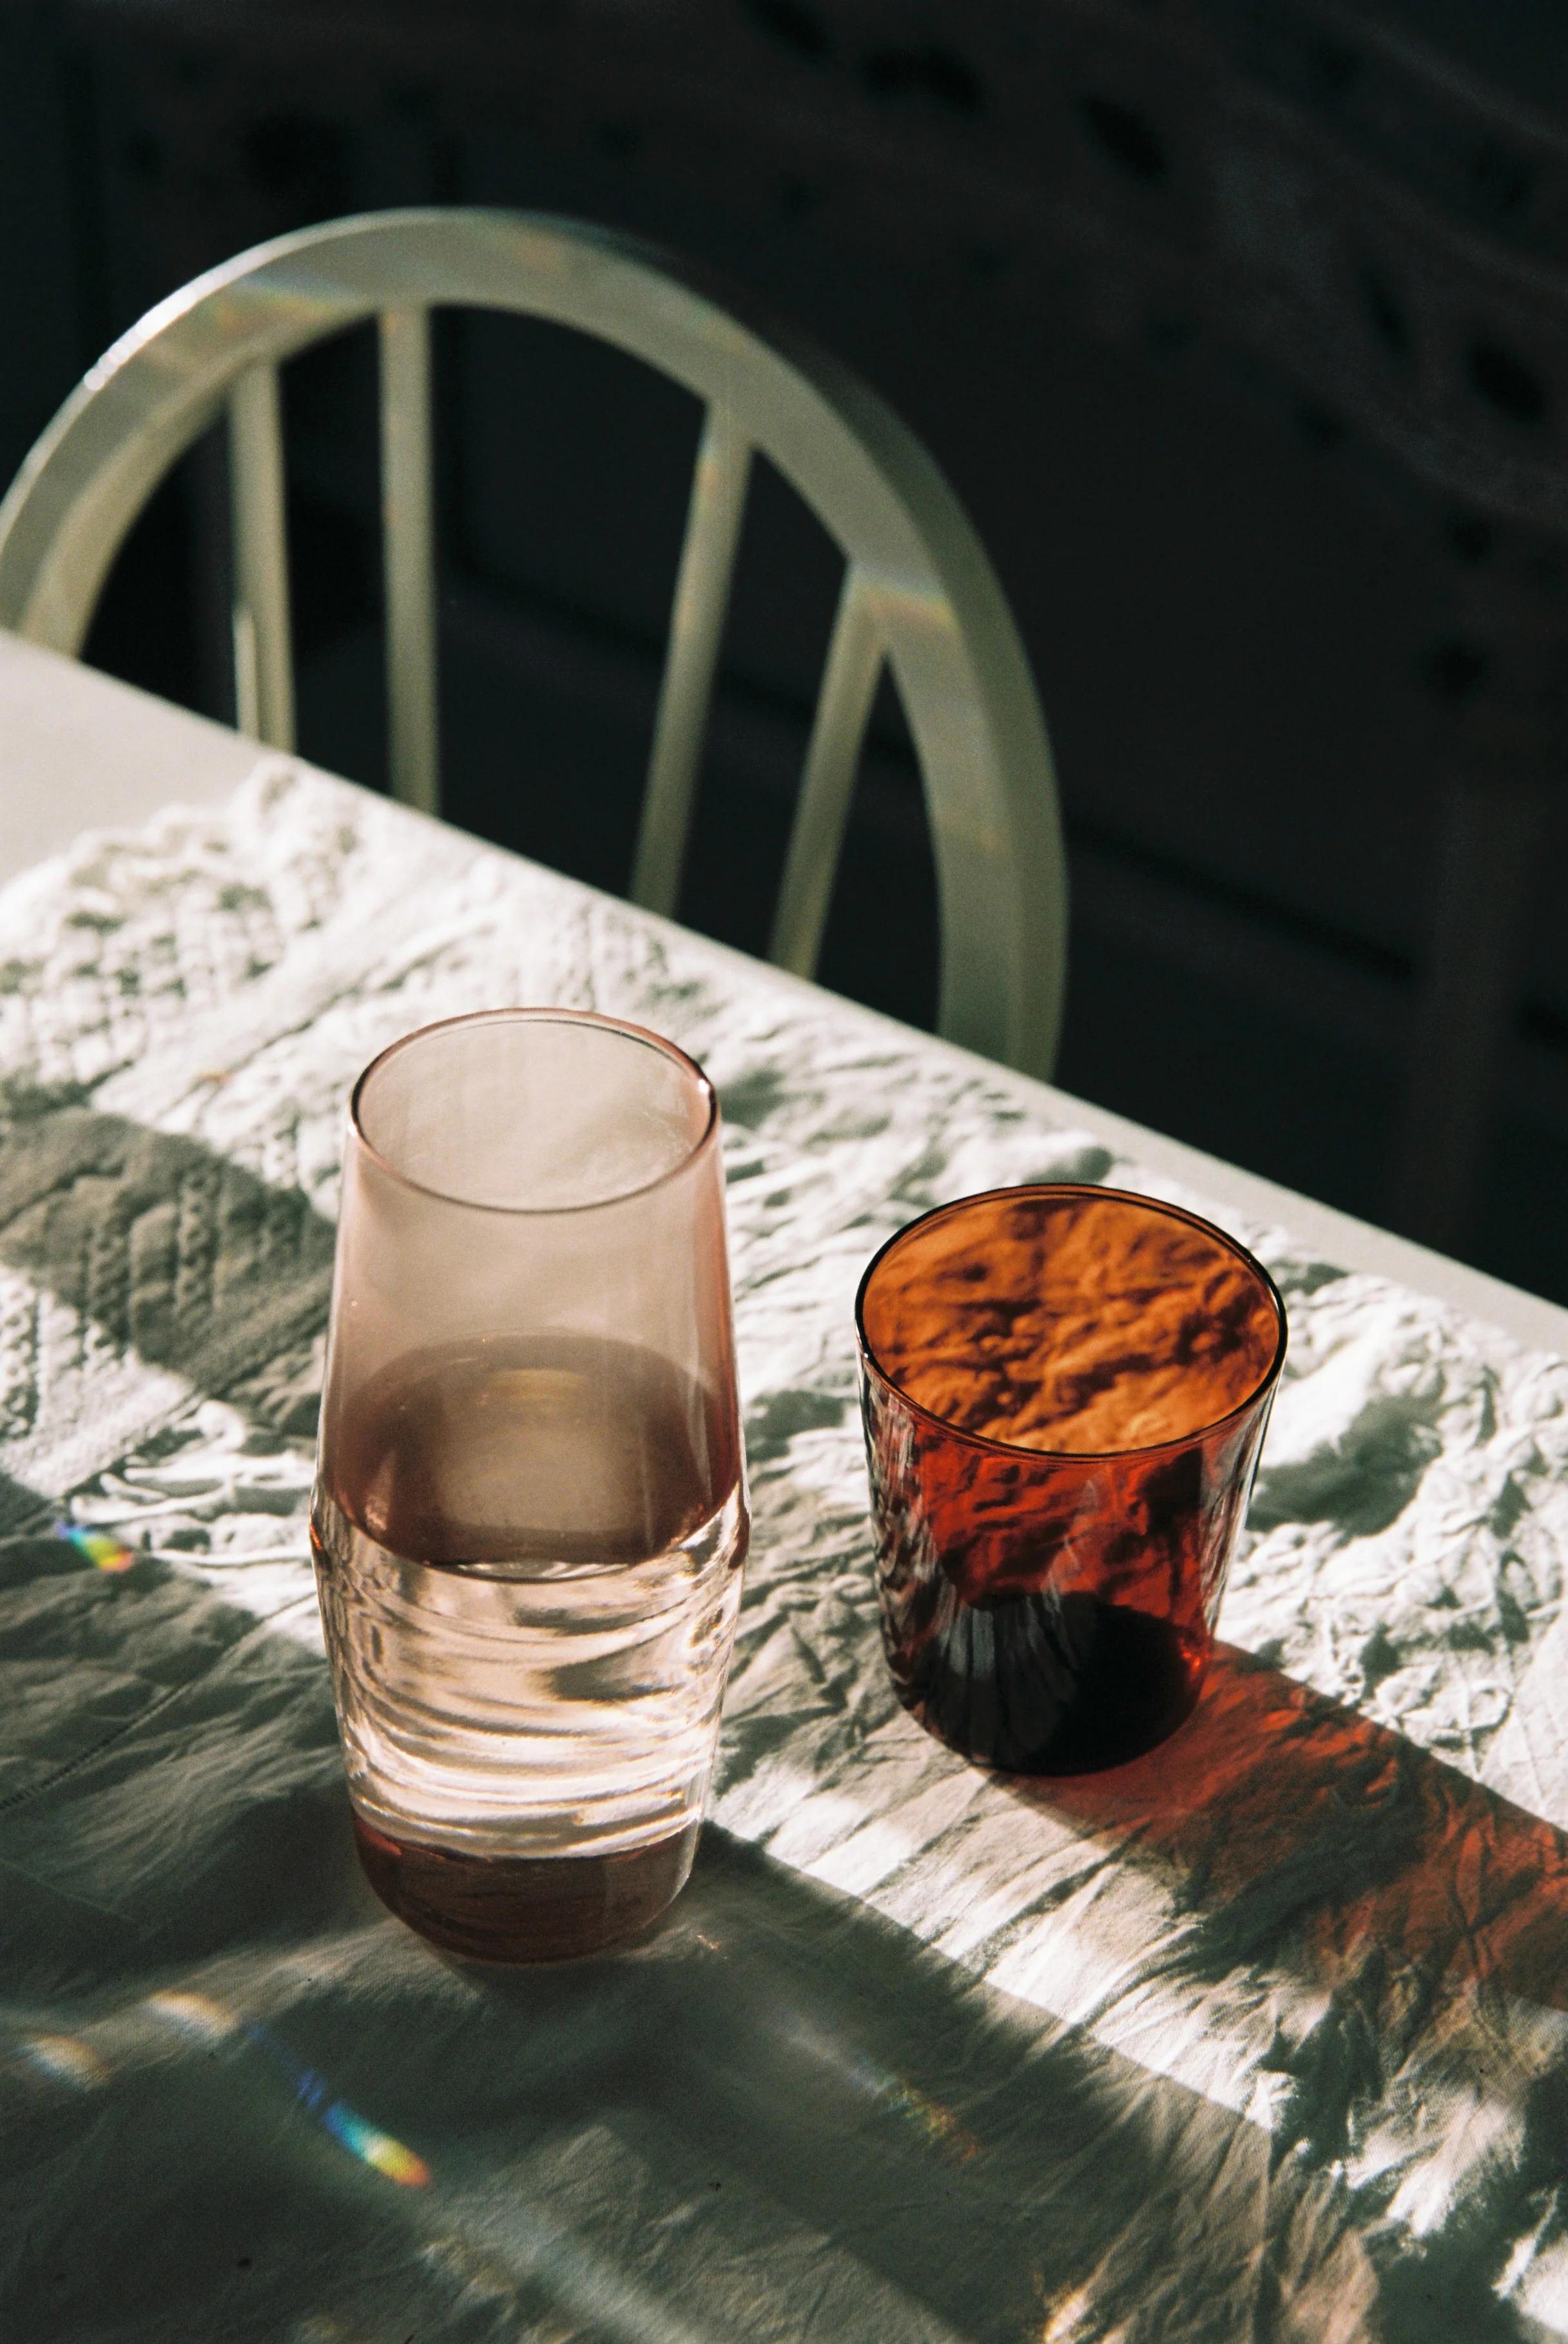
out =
column 1265, row 2036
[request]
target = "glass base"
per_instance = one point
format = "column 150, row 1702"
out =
column 525, row 1909
column 1033, row 1685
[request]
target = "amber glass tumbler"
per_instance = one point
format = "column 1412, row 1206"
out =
column 1065, row 1390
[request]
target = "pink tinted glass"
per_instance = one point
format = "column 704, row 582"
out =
column 529, row 1515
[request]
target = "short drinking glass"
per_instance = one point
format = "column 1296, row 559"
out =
column 1065, row 1391
column 529, row 1515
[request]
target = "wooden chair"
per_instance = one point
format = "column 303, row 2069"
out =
column 918, row 591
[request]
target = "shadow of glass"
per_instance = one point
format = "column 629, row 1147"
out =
column 975, row 2167
column 781, row 2115
column 1294, row 1828
column 1427, row 1918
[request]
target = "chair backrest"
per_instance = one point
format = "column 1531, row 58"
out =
column 917, row 588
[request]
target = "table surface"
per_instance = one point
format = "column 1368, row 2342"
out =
column 1264, row 2035
column 79, row 751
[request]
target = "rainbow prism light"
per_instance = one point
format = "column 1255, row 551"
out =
column 206, row 2020
column 67, row 2058
column 375, row 2147
column 96, row 1547
column 352, row 2131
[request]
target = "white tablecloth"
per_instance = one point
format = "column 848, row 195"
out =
column 1264, row 2035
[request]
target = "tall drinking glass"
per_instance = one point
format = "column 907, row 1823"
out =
column 529, row 1515
column 1065, row 1393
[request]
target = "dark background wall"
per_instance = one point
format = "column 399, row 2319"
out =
column 1240, row 331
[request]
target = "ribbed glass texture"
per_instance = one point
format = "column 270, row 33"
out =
column 529, row 1515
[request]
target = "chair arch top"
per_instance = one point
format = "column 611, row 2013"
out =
column 922, row 579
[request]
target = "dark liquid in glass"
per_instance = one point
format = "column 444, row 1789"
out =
column 496, row 1908
column 1043, row 1685
column 527, row 1556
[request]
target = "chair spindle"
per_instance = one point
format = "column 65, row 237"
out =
column 702, row 599
column 843, row 709
column 408, row 521
column 263, row 653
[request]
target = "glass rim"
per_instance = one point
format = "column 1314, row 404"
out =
column 538, row 1015
column 1084, row 1188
